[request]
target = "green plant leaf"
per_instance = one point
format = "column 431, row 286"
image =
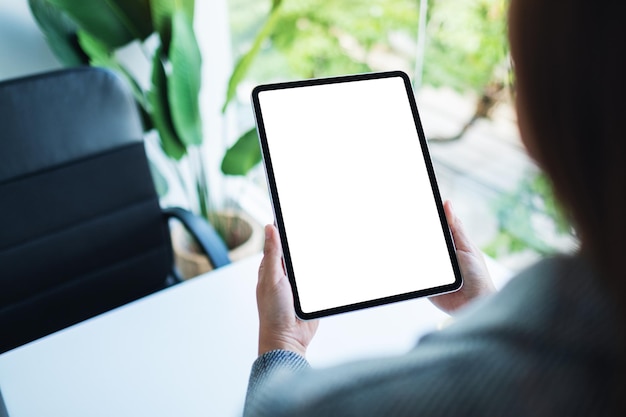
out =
column 114, row 22
column 100, row 56
column 162, row 12
column 161, row 115
column 60, row 32
column 243, row 65
column 244, row 155
column 184, row 81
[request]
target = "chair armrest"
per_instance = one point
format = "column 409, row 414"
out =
column 208, row 239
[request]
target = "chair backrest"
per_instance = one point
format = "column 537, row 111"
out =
column 81, row 230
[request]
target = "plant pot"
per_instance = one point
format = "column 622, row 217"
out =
column 244, row 237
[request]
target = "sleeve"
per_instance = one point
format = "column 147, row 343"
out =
column 421, row 381
column 274, row 366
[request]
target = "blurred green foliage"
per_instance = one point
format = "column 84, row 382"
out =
column 465, row 39
column 316, row 38
column 467, row 43
column 529, row 218
column 321, row 38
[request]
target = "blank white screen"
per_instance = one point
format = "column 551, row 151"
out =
column 359, row 213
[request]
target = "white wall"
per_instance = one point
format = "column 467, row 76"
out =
column 212, row 28
column 23, row 49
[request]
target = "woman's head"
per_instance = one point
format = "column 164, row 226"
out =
column 570, row 68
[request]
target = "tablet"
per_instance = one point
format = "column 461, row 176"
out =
column 354, row 193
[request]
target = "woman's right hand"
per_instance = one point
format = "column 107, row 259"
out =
column 279, row 328
column 476, row 279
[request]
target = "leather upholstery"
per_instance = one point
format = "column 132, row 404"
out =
column 81, row 230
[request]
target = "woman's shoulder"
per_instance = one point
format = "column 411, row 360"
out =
column 551, row 332
column 559, row 299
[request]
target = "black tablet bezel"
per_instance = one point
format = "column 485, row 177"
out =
column 276, row 200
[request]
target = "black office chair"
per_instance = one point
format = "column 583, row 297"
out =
column 81, row 229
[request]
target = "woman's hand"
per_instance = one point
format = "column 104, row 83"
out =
column 476, row 279
column 279, row 328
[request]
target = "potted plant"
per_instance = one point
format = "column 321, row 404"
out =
column 92, row 33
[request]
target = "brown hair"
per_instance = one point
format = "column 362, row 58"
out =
column 570, row 67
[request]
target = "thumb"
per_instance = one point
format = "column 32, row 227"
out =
column 271, row 246
column 271, row 266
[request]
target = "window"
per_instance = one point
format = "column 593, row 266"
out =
column 457, row 55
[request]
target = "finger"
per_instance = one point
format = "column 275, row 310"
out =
column 461, row 240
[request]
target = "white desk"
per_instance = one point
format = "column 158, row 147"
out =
column 185, row 351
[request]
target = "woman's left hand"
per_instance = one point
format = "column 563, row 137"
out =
column 476, row 279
